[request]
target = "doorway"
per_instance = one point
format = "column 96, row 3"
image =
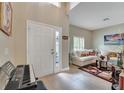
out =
column 44, row 48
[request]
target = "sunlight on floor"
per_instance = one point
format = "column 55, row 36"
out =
column 75, row 79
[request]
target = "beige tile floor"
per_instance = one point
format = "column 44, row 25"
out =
column 75, row 79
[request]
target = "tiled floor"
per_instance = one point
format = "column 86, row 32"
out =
column 75, row 79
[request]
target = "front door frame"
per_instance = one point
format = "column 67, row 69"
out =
column 59, row 29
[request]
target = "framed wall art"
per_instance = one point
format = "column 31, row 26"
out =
column 114, row 39
column 6, row 18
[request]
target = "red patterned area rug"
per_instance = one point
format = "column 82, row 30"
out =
column 92, row 69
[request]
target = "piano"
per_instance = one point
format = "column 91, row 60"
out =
column 21, row 77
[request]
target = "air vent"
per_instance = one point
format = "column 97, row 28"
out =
column 106, row 19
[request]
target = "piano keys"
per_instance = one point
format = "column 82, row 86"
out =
column 21, row 77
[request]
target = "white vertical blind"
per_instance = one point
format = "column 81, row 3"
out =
column 78, row 43
column 57, row 4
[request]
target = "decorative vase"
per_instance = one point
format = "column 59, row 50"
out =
column 123, row 60
column 123, row 56
column 120, row 60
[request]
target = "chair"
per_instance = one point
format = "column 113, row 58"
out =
column 102, row 62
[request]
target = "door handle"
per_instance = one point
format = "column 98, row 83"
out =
column 52, row 53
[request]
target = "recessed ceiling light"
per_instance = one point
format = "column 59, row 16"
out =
column 106, row 19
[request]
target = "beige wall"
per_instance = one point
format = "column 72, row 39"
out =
column 98, row 37
column 22, row 12
column 7, row 50
column 80, row 32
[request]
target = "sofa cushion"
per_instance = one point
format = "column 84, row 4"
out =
column 87, row 58
column 92, row 53
column 112, row 54
column 84, row 53
column 77, row 53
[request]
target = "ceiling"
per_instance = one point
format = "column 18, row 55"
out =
column 91, row 15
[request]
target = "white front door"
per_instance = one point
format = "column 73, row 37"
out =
column 41, row 48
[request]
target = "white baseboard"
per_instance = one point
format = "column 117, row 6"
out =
column 65, row 69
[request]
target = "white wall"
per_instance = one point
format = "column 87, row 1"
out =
column 14, row 47
column 7, row 49
column 80, row 32
column 41, row 12
column 98, row 37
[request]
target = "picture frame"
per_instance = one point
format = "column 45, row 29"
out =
column 114, row 39
column 6, row 17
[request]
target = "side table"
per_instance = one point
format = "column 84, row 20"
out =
column 103, row 64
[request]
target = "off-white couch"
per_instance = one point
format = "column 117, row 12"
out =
column 79, row 60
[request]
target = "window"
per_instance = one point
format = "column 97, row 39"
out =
column 78, row 43
column 57, row 4
column 73, row 4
